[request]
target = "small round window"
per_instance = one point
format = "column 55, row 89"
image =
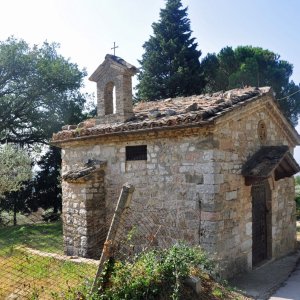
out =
column 262, row 131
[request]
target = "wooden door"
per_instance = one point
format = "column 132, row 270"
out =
column 259, row 223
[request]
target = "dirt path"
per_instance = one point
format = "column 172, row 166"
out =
column 74, row 259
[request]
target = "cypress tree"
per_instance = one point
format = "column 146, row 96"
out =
column 170, row 65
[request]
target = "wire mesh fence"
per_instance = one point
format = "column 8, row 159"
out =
column 33, row 264
column 32, row 260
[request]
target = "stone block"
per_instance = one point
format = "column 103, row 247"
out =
column 195, row 283
column 204, row 168
column 231, row 195
column 210, row 216
column 219, row 178
column 249, row 228
column 246, row 245
column 194, row 178
column 209, row 178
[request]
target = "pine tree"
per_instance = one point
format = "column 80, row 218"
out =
column 170, row 66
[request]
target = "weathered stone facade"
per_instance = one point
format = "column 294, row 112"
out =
column 234, row 219
column 193, row 170
column 84, row 213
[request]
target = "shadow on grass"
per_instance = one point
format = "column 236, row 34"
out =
column 45, row 237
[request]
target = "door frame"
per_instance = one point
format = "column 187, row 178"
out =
column 268, row 219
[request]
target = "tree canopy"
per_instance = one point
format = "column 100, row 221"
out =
column 253, row 66
column 39, row 91
column 15, row 168
column 170, row 66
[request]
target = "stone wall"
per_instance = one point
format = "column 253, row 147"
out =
column 175, row 184
column 283, row 218
column 84, row 216
column 194, row 177
column 238, row 140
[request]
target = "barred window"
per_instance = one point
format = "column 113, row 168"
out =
column 136, row 152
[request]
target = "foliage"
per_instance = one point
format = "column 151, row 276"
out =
column 46, row 185
column 44, row 190
column 154, row 273
column 170, row 66
column 15, row 168
column 16, row 201
column 297, row 180
column 218, row 293
column 253, row 66
column 39, row 91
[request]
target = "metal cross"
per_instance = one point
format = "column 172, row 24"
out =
column 114, row 47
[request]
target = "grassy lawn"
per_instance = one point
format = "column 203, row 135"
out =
column 45, row 237
column 31, row 276
column 24, row 275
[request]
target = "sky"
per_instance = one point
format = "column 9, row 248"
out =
column 87, row 29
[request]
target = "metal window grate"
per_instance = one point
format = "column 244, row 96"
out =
column 136, row 152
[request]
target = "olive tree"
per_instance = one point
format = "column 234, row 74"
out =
column 15, row 169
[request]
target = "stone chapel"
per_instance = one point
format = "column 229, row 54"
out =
column 222, row 164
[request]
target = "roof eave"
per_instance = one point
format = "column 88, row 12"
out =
column 132, row 70
column 61, row 143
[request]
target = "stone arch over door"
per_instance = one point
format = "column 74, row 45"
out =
column 261, row 222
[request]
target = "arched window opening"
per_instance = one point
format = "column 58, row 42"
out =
column 109, row 98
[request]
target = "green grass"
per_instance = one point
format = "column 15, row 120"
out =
column 46, row 237
column 37, row 277
column 33, row 276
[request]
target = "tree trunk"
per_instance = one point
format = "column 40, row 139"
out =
column 15, row 214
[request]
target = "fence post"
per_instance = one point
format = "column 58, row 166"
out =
column 116, row 223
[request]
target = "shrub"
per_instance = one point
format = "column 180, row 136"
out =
column 154, row 274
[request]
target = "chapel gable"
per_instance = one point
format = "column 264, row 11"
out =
column 114, row 89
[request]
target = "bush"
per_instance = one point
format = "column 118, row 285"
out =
column 154, row 274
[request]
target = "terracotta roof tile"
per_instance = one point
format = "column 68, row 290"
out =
column 168, row 113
